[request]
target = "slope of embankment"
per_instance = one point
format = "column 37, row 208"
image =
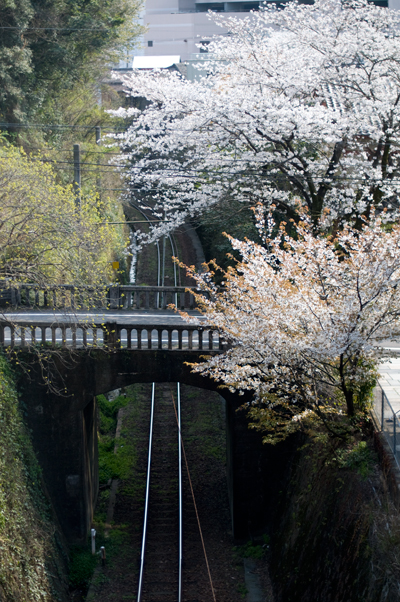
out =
column 33, row 559
column 336, row 536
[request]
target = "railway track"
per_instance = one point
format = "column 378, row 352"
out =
column 203, row 435
column 160, row 577
column 154, row 566
column 168, row 514
column 161, row 555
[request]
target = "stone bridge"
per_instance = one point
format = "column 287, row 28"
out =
column 108, row 336
column 91, row 355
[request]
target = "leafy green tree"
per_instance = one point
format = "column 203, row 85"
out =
column 46, row 237
column 46, row 46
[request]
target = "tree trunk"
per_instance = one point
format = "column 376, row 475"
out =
column 349, row 402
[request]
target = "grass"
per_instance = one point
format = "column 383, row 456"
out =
column 252, row 550
column 242, row 590
column 359, row 457
column 31, row 563
column 82, row 565
column 113, row 465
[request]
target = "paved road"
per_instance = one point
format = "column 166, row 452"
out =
column 162, row 317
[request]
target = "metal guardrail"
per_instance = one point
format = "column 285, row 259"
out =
column 388, row 421
column 60, row 296
column 103, row 297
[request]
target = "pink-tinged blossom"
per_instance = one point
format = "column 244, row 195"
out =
column 305, row 317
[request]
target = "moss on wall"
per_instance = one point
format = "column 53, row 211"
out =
column 337, row 534
column 32, row 555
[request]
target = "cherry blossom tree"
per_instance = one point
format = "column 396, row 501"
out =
column 300, row 102
column 305, row 316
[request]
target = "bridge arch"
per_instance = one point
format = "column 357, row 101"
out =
column 64, row 428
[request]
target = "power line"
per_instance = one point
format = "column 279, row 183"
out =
column 68, row 150
column 149, row 221
column 57, row 28
column 310, row 141
column 199, row 175
column 56, row 126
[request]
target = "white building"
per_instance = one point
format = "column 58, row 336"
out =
column 177, row 27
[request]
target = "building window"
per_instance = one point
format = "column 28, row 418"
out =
column 150, row 43
column 203, row 47
column 217, row 7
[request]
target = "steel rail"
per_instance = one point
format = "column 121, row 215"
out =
column 180, row 493
column 180, row 556
column 161, row 271
column 157, row 244
column 146, row 506
column 174, row 254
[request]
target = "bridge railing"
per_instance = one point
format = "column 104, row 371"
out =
column 102, row 297
column 110, row 336
column 388, row 421
column 151, row 297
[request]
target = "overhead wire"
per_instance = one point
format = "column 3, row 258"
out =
column 18, row 28
column 198, row 174
column 311, row 141
column 194, row 503
column 175, row 172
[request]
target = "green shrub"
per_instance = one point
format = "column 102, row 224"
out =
column 81, row 567
column 249, row 550
column 360, row 458
column 112, row 465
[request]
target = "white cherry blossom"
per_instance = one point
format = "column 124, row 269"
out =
column 299, row 103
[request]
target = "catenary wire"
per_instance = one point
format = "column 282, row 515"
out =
column 198, row 174
column 194, row 503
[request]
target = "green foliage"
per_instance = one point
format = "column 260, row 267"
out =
column 81, row 567
column 362, row 389
column 55, row 56
column 242, row 589
column 45, row 238
column 51, row 45
column 114, row 463
column 236, row 219
column 253, row 550
column 109, row 409
column 27, row 540
column 360, row 458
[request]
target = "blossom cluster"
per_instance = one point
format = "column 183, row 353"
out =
column 300, row 102
column 306, row 316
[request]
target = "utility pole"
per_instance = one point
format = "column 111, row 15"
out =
column 77, row 173
column 98, row 142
